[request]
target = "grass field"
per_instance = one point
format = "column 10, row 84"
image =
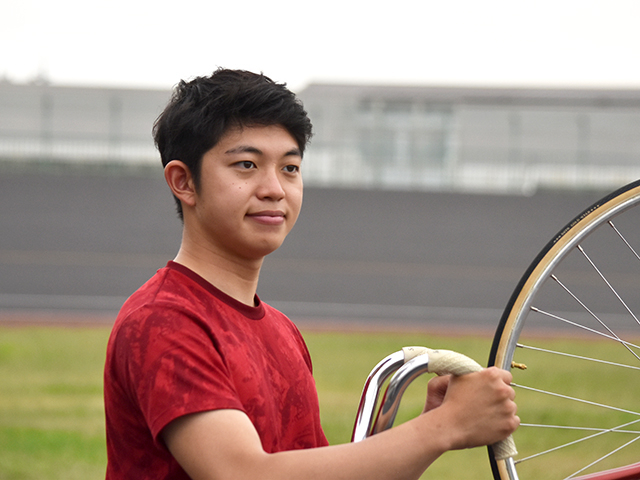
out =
column 51, row 414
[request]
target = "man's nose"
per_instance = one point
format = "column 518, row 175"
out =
column 271, row 185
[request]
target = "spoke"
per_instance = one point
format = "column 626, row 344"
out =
column 602, row 458
column 624, row 240
column 581, row 303
column 578, row 325
column 575, row 399
column 586, row 429
column 608, row 284
column 589, row 359
column 580, row 440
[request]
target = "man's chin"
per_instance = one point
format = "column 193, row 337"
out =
column 264, row 250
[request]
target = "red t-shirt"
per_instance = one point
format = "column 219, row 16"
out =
column 181, row 346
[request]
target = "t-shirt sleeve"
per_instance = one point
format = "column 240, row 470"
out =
column 171, row 367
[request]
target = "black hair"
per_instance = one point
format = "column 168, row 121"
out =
column 202, row 110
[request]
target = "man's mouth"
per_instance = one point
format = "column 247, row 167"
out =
column 268, row 217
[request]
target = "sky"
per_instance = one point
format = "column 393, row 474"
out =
column 154, row 44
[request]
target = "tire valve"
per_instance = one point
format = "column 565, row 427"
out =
column 520, row 366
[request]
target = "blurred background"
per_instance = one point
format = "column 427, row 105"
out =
column 452, row 140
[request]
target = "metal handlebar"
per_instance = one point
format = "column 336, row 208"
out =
column 408, row 364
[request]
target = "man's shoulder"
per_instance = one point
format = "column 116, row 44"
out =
column 160, row 286
column 166, row 289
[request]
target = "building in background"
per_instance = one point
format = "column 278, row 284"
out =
column 391, row 137
column 482, row 139
column 53, row 124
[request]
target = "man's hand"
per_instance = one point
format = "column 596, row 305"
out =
column 480, row 408
column 436, row 391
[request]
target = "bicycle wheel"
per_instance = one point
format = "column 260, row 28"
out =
column 573, row 320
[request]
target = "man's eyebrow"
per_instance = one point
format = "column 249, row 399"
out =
column 243, row 149
column 294, row 152
column 250, row 149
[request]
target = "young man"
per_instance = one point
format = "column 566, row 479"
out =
column 205, row 381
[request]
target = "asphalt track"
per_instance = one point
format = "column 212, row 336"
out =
column 75, row 245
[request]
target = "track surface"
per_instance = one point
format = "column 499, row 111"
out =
column 74, row 245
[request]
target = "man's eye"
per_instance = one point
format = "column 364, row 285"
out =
column 291, row 168
column 246, row 164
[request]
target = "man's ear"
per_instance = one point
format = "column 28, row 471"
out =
column 178, row 177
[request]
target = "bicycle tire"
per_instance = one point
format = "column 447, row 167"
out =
column 537, row 275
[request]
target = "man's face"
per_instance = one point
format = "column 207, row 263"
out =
column 250, row 192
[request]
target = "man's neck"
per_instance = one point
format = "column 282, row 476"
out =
column 238, row 278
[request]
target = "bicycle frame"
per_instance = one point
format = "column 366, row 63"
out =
column 630, row 472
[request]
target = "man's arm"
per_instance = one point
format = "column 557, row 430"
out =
column 478, row 409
